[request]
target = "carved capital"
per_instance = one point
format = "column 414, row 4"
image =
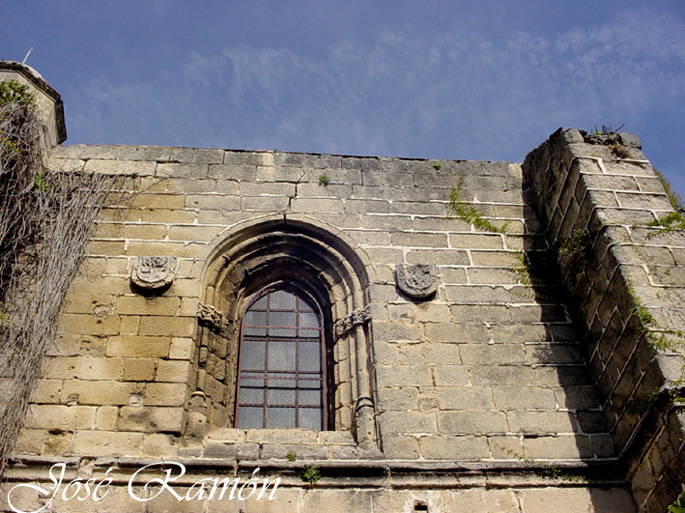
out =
column 357, row 318
column 211, row 316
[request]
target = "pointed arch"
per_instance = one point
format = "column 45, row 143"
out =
column 309, row 256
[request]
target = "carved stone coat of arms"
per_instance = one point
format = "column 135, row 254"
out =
column 153, row 272
column 419, row 281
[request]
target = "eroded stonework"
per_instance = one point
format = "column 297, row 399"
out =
column 457, row 380
column 153, row 272
column 419, row 281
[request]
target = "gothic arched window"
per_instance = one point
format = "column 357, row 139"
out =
column 282, row 362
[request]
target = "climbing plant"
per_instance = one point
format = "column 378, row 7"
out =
column 45, row 223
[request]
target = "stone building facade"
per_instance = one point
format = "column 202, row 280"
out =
column 462, row 367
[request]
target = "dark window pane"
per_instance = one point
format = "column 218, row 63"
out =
column 251, row 395
column 310, row 418
column 250, row 418
column 280, row 380
column 256, row 378
column 281, row 319
column 281, row 356
column 304, row 306
column 282, row 300
column 282, row 397
column 280, row 417
column 309, row 320
column 260, row 304
column 309, row 397
column 310, row 383
column 253, row 353
column 255, row 319
column 309, row 356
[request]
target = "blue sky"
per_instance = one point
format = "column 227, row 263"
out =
column 483, row 80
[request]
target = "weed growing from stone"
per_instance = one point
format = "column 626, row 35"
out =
column 554, row 471
column 311, row 474
column 668, row 223
column 678, row 505
column 437, row 166
column 324, row 179
column 291, row 456
column 573, row 252
column 673, row 196
column 468, row 213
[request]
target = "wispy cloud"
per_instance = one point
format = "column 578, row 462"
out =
column 458, row 95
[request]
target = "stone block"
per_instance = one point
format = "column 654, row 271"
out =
column 472, row 422
column 403, row 423
column 81, row 324
column 401, row 447
column 460, row 397
column 151, row 420
column 173, row 371
column 353, row 206
column 165, row 394
column 393, row 223
column 456, row 448
column 501, row 375
column 269, row 189
column 121, row 167
column 140, row 369
column 487, row 276
column 449, row 375
column 59, row 442
column 106, row 418
column 238, row 172
column 541, row 422
column 159, row 445
column 165, row 215
column 144, row 200
column 168, row 326
column 107, row 443
column 506, row 354
column 29, row 441
column 314, row 205
column 61, row 417
column 139, row 346
column 146, row 306
column 83, row 367
column 421, row 240
column 476, row 241
column 524, row 398
column 47, row 391
column 264, row 204
column 558, row 447
column 427, row 354
column 387, row 331
column 437, row 257
column 98, row 392
column 181, row 348
column 331, row 501
column 270, row 173
column 398, row 399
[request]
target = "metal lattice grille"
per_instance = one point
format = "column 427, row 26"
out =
column 281, row 383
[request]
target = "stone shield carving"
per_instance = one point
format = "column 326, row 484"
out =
column 418, row 281
column 153, row 272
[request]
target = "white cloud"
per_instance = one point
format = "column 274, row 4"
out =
column 458, row 95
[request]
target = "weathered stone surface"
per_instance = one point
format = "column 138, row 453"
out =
column 491, row 371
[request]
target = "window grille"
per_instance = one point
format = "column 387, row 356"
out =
column 281, row 378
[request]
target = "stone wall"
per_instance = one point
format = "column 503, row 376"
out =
column 481, row 386
column 597, row 195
